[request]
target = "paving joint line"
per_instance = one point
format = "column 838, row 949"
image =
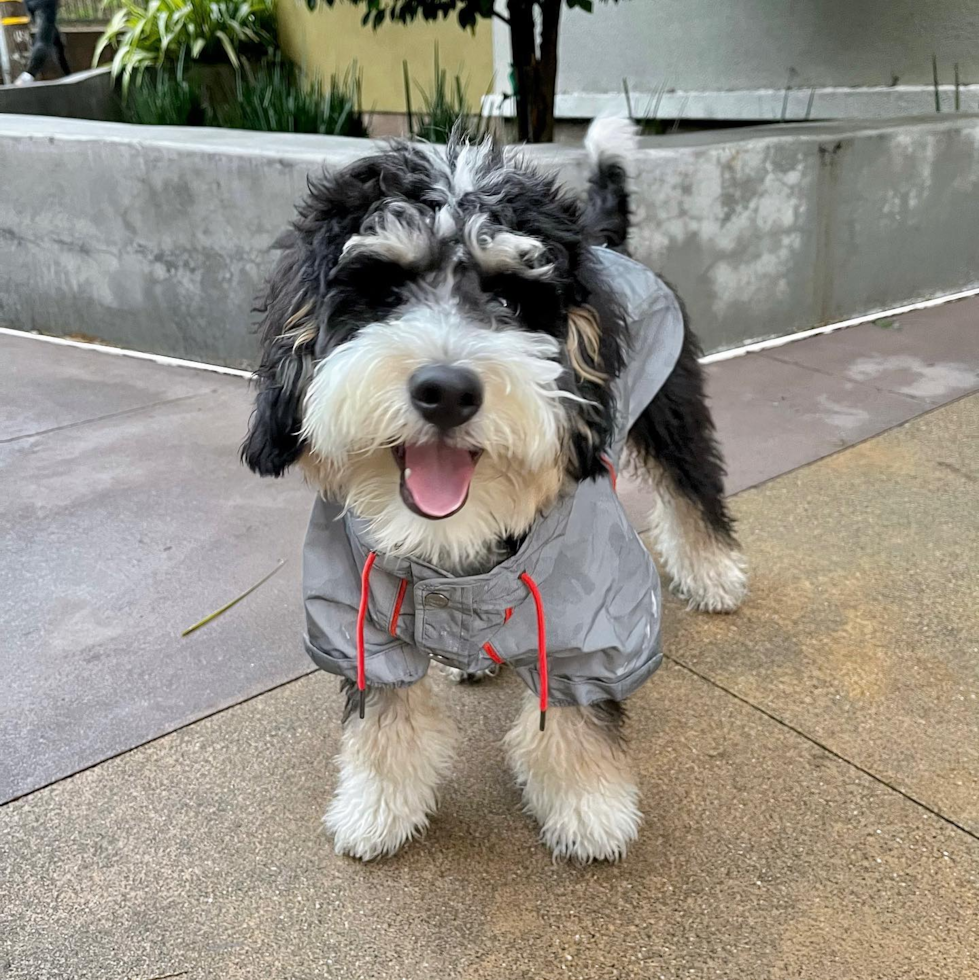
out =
column 821, row 745
column 103, row 418
column 157, row 738
column 927, row 408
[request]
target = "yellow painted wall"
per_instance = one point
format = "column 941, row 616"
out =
column 331, row 39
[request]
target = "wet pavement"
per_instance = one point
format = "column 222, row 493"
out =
column 809, row 765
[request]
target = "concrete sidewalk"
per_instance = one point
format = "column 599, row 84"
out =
column 809, row 766
column 809, row 771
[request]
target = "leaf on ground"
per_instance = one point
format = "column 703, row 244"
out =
column 217, row 612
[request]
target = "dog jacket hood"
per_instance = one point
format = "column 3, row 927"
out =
column 575, row 612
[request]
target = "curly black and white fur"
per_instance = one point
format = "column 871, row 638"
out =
column 417, row 257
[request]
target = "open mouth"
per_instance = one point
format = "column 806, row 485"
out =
column 435, row 478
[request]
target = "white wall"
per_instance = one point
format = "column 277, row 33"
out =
column 733, row 58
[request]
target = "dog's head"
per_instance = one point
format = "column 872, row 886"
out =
column 438, row 348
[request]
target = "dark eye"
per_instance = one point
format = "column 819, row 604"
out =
column 510, row 305
column 378, row 282
column 528, row 300
column 507, row 301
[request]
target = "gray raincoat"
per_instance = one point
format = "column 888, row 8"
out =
column 577, row 607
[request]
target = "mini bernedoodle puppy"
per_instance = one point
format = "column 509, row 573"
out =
column 458, row 354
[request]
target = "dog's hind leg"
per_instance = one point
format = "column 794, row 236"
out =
column 576, row 779
column 690, row 527
column 391, row 763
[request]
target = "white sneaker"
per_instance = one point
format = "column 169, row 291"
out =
column 25, row 78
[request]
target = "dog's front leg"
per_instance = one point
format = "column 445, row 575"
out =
column 576, row 779
column 391, row 763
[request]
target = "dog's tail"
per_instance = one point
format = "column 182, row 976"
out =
column 609, row 142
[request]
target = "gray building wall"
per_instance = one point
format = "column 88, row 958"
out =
column 755, row 48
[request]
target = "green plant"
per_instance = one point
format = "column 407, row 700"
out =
column 649, row 123
column 275, row 97
column 812, row 99
column 445, row 108
column 533, row 26
column 162, row 99
column 278, row 98
column 160, row 32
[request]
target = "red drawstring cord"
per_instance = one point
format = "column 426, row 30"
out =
column 393, row 628
column 491, row 653
column 365, row 578
column 607, row 463
column 541, row 643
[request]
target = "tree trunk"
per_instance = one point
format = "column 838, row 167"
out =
column 542, row 123
column 521, row 14
column 534, row 67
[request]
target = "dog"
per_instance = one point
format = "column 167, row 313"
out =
column 445, row 343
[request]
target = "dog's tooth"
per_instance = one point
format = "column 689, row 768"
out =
column 407, row 472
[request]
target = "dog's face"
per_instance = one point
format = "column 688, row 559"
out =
column 434, row 350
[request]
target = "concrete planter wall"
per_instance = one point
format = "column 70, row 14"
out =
column 93, row 94
column 158, row 238
column 80, row 95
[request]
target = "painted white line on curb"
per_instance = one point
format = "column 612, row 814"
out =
column 721, row 355
column 760, row 345
column 122, row 352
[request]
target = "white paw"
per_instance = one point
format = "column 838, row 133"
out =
column 716, row 583
column 468, row 677
column 370, row 819
column 586, row 826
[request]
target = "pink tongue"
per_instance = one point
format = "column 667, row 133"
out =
column 438, row 477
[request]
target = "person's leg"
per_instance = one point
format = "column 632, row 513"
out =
column 44, row 35
column 59, row 48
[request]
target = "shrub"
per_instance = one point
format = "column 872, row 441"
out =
column 162, row 99
column 445, row 108
column 274, row 98
column 277, row 98
column 161, row 32
column 649, row 123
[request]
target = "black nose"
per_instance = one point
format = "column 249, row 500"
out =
column 444, row 395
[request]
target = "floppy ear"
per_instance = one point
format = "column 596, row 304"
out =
column 289, row 330
column 295, row 310
column 584, row 345
column 594, row 342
